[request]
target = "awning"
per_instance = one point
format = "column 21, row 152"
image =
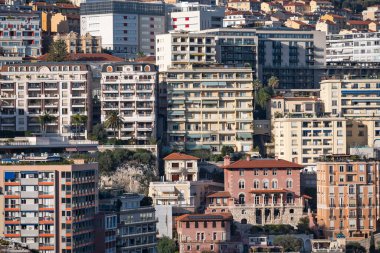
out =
column 193, row 136
column 9, row 175
column 206, row 135
column 177, row 102
column 214, row 83
column 177, row 92
column 176, row 113
column 244, row 135
column 210, row 102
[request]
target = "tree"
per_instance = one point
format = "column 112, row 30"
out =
column 263, row 96
column 166, row 245
column 273, row 82
column 256, row 86
column 355, row 247
column 77, row 121
column 227, row 150
column 45, row 119
column 57, row 51
column 303, row 225
column 372, row 247
column 99, row 134
column 113, row 121
column 140, row 54
column 288, row 243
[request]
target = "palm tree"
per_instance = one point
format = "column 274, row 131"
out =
column 78, row 120
column 273, row 82
column 263, row 97
column 45, row 119
column 256, row 86
column 140, row 54
column 113, row 121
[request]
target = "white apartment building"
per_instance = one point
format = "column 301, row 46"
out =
column 130, row 89
column 304, row 140
column 193, row 17
column 20, row 34
column 126, row 28
column 30, row 90
column 372, row 13
column 357, row 99
column 362, row 47
column 181, row 167
column 179, row 49
column 210, row 107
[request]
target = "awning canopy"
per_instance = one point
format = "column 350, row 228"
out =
column 176, row 113
column 244, row 135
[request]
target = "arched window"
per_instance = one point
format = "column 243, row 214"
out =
column 289, row 183
column 241, row 198
column 289, row 198
column 243, row 221
column 291, row 211
column 241, row 184
column 265, row 184
column 274, row 105
column 274, row 184
column 256, row 184
column 243, row 211
column 279, row 105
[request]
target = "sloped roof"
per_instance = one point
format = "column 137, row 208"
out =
column 262, row 163
column 180, row 156
column 205, row 217
column 86, row 57
column 222, row 194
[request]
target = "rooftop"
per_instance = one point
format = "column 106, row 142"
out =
column 222, row 194
column 86, row 57
column 180, row 156
column 205, row 217
column 263, row 163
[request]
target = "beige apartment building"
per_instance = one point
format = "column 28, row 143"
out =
column 76, row 43
column 49, row 208
column 347, row 197
column 209, row 107
column 304, row 140
column 359, row 100
column 179, row 49
column 30, row 90
column 181, row 167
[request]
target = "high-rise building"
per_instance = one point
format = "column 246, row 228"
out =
column 192, row 16
column 49, row 208
column 57, row 90
column 209, row 107
column 126, row 27
column 361, row 47
column 296, row 58
column 179, row 49
column 347, row 197
column 130, row 90
column 20, row 33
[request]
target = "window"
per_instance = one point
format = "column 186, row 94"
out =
column 187, row 224
column 289, row 183
column 265, row 184
column 241, row 172
column 241, row 198
column 256, row 184
column 289, row 172
column 241, row 184
column 196, row 224
column 265, row 172
column 274, row 172
column 274, row 184
column 205, row 224
column 214, row 224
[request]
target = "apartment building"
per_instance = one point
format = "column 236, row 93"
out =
column 193, row 17
column 295, row 57
column 30, row 90
column 372, row 13
column 49, row 208
column 178, row 49
column 130, row 90
column 297, row 106
column 136, row 224
column 304, row 140
column 206, row 232
column 210, row 107
column 20, row 34
column 76, row 43
column 362, row 47
column 181, row 167
column 260, row 192
column 347, row 197
column 244, row 5
column 126, row 28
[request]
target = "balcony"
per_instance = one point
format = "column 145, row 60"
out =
column 29, row 207
column 29, row 220
column 29, row 181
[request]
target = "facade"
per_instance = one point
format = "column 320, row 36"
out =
column 372, row 13
column 81, row 44
column 240, row 18
column 206, row 232
column 295, row 57
column 105, row 233
column 193, row 17
column 60, row 23
column 133, row 230
column 362, row 47
column 244, row 5
column 210, row 107
column 49, row 208
column 179, row 49
column 30, row 90
column 260, row 192
column 181, row 167
column 20, row 34
column 130, row 90
column 297, row 106
column 126, row 28
column 347, row 199
column 304, row 140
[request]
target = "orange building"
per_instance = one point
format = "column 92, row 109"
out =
column 347, row 196
column 49, row 208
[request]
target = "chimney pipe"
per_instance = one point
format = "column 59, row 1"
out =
column 227, row 160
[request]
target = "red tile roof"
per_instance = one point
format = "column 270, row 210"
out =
column 219, row 195
column 180, row 156
column 262, row 163
column 150, row 58
column 86, row 57
column 359, row 22
column 205, row 217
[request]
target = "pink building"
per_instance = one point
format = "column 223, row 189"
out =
column 206, row 232
column 259, row 192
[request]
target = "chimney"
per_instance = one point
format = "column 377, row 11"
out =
column 227, row 160
column 248, row 158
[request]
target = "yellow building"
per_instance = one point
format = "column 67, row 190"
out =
column 81, row 44
column 59, row 23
